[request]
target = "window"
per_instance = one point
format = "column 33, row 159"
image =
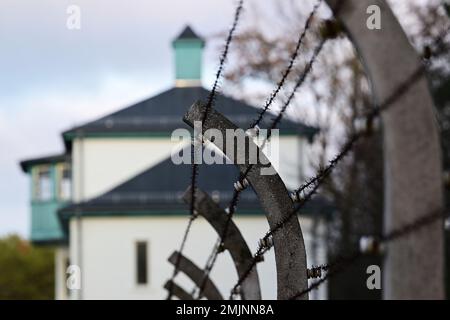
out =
column 141, row 263
column 65, row 182
column 43, row 184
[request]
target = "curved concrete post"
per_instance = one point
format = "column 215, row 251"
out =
column 413, row 266
column 234, row 241
column 289, row 247
column 197, row 275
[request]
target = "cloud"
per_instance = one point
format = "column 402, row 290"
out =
column 120, row 37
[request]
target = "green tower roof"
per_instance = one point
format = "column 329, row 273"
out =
column 188, row 33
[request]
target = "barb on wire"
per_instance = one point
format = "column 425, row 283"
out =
column 316, row 271
column 194, row 173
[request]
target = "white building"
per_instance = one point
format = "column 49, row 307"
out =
column 111, row 204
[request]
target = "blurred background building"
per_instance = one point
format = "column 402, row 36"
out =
column 112, row 202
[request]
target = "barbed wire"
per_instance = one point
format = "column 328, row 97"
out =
column 287, row 71
column 371, row 115
column 330, row 32
column 343, row 262
column 218, row 247
column 298, row 84
column 242, row 179
column 315, row 182
column 194, row 173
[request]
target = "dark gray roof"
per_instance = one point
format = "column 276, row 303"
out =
column 163, row 113
column 160, row 189
column 188, row 33
column 25, row 164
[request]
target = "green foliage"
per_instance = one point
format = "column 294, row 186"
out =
column 26, row 272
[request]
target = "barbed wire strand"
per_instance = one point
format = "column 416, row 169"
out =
column 343, row 262
column 288, row 70
column 322, row 174
column 371, row 115
column 233, row 204
column 194, row 173
column 277, row 120
column 234, row 201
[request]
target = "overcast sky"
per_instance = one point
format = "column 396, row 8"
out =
column 52, row 78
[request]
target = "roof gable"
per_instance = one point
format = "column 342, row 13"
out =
column 26, row 164
column 188, row 33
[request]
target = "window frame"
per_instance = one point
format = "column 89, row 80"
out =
column 60, row 170
column 142, row 274
column 37, row 186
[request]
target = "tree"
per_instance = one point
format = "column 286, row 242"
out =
column 26, row 272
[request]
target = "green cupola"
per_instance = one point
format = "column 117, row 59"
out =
column 188, row 48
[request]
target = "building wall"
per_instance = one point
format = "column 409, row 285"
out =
column 61, row 262
column 100, row 164
column 292, row 162
column 108, row 262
